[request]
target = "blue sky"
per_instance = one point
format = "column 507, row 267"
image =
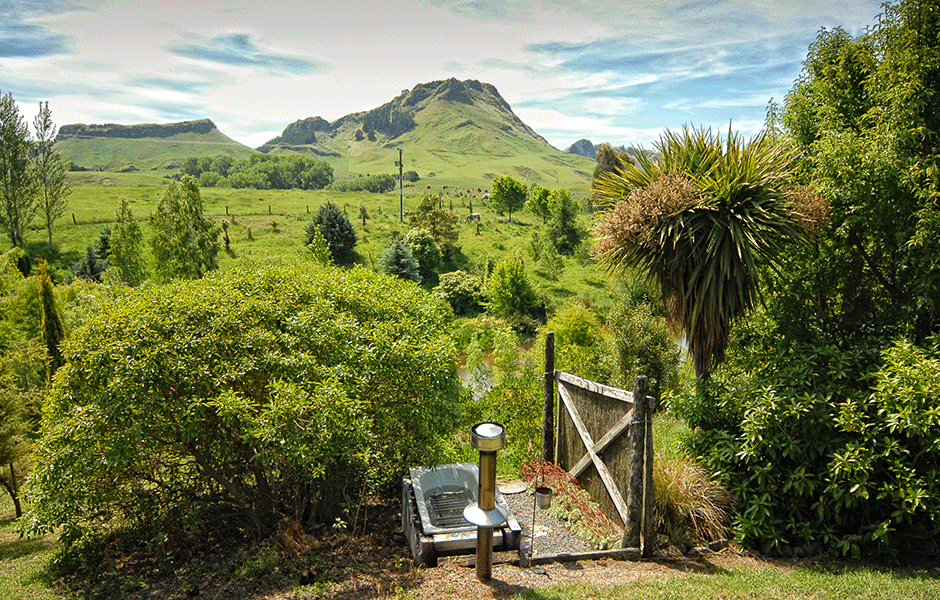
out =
column 620, row 72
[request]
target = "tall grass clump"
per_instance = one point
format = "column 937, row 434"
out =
column 690, row 506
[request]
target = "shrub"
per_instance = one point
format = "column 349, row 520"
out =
column 243, row 397
column 640, row 344
column 816, row 464
column 425, row 250
column 509, row 291
column 464, row 292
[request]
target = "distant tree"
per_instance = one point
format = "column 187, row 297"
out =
column 411, row 176
column 50, row 170
column 363, row 213
column 425, row 250
column 96, row 258
column 552, row 262
column 609, row 160
column 222, row 164
column 538, row 202
column 397, row 260
column 508, row 289
column 336, row 228
column 563, row 227
column 17, row 183
column 508, row 195
column 127, row 252
column 185, row 244
column 359, row 135
column 441, row 224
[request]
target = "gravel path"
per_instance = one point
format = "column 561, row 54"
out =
column 552, row 537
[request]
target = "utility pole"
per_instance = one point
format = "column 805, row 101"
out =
column 401, row 190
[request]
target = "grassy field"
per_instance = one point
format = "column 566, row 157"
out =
column 268, row 225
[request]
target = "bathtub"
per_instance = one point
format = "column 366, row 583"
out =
column 433, row 499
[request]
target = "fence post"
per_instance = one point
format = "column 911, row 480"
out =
column 548, row 411
column 649, row 499
column 631, row 529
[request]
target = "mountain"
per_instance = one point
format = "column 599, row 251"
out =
column 450, row 128
column 583, row 148
column 149, row 146
column 589, row 149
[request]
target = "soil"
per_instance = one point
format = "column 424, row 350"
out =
column 377, row 563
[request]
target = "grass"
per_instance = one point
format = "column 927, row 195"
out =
column 267, row 225
column 23, row 561
column 814, row 582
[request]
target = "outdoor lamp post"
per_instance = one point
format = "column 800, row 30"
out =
column 487, row 438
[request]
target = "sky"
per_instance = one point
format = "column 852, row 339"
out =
column 620, row 72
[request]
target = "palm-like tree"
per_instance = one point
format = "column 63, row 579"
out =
column 703, row 218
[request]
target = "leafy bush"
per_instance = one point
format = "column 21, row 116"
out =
column 243, row 397
column 425, row 250
column 464, row 292
column 813, row 464
column 509, row 291
column 641, row 344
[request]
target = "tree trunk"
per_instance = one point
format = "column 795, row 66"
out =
column 14, row 490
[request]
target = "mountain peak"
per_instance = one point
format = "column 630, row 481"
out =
column 450, row 103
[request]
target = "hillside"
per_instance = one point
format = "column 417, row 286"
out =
column 454, row 129
column 144, row 147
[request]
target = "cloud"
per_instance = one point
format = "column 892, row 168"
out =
column 21, row 40
column 238, row 50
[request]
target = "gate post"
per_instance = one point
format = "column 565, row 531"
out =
column 634, row 524
column 649, row 496
column 548, row 412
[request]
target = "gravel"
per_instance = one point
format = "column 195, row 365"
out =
column 552, row 536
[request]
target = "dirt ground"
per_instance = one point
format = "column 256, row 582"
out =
column 378, row 564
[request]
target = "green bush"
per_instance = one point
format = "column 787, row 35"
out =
column 641, row 344
column 464, row 292
column 817, row 465
column 509, row 290
column 246, row 396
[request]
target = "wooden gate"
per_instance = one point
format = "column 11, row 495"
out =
column 604, row 439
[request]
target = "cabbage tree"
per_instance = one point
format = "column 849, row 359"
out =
column 703, row 217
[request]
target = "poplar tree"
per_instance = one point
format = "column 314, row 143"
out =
column 52, row 188
column 17, row 184
column 185, row 244
column 127, row 252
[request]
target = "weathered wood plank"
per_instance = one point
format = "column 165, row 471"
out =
column 602, row 443
column 548, row 416
column 649, row 499
column 633, row 523
column 585, row 435
column 597, row 388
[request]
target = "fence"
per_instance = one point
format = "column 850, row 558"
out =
column 604, row 437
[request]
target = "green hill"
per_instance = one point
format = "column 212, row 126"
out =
column 458, row 130
column 145, row 147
